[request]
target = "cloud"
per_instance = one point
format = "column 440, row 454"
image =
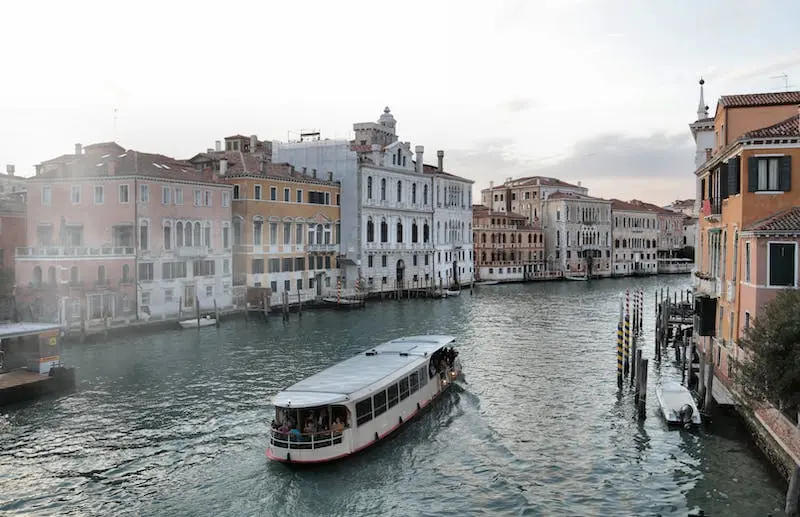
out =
column 763, row 67
column 517, row 105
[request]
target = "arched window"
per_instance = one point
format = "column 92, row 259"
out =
column 414, row 193
column 236, row 192
column 483, row 238
column 399, row 191
column 530, row 238
column 624, row 243
column 144, row 235
column 207, row 232
column 126, row 273
column 384, row 231
column 483, row 256
column 178, row 234
column 512, row 238
column 425, row 194
column 167, row 235
column 414, row 232
column 187, row 234
column 369, row 187
column 197, row 241
column 426, row 232
column 51, row 275
column 73, row 275
column 383, row 189
column 399, row 231
column 101, row 274
column 370, row 230
column 37, row 276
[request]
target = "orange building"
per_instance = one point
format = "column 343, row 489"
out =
column 745, row 251
column 507, row 247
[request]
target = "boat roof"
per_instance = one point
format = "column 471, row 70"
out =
column 343, row 380
column 20, row 329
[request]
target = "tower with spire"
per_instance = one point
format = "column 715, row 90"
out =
column 702, row 130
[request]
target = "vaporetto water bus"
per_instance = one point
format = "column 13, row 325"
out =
column 358, row 402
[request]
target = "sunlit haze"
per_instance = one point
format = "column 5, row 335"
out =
column 596, row 91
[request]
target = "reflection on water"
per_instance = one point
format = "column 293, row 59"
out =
column 176, row 423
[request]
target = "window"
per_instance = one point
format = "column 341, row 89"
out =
column 144, row 234
column 226, row 240
column 746, row 320
column 273, row 193
column 198, row 198
column 370, row 231
column 379, row 403
column 123, row 193
column 286, row 195
column 257, row 191
column 363, row 411
column 144, row 193
column 413, row 382
column 206, row 198
column 403, row 388
column 747, row 262
column 370, row 261
column 384, row 231
column 773, row 174
column 257, row 226
column 384, row 261
column 166, row 195
column 399, row 231
column 299, row 196
column 383, row 189
column 98, row 195
column 145, row 271
column 226, row 199
column 287, row 231
column 178, row 196
column 782, row 264
column 369, row 187
column 300, row 265
column 167, row 235
column 317, row 198
column 425, row 194
column 226, row 266
column 170, row 270
column 273, row 233
column 414, row 193
column 399, row 191
column 298, row 238
column 236, row 192
column 75, row 194
column 257, row 266
column 392, row 395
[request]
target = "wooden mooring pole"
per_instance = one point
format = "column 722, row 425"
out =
column 635, row 383
column 619, row 355
column 643, row 389
column 627, row 345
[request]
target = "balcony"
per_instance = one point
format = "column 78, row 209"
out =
column 55, row 252
column 706, row 284
column 712, row 208
column 322, row 247
column 191, row 251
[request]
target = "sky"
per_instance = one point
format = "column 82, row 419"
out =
column 597, row 91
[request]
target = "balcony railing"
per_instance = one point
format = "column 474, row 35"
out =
column 191, row 251
column 322, row 247
column 707, row 285
column 73, row 252
column 712, row 207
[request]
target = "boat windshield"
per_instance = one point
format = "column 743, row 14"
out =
column 309, row 428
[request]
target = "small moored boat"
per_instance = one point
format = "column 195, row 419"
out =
column 582, row 278
column 451, row 292
column 677, row 404
column 342, row 303
column 193, row 323
column 360, row 401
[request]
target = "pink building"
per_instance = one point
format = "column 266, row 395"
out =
column 769, row 254
column 124, row 234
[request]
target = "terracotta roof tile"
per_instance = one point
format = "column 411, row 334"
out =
column 784, row 221
column 760, row 99
column 572, row 195
column 619, row 205
column 430, row 169
column 532, row 181
column 655, row 208
column 788, row 127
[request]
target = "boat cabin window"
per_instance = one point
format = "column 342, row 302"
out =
column 311, row 420
column 364, row 411
column 379, row 403
column 404, row 388
column 423, row 379
column 413, row 382
column 393, row 395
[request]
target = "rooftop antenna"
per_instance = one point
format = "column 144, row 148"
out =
column 785, row 78
column 114, row 139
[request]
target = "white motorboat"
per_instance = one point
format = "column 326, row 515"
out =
column 360, row 401
column 487, row 282
column 677, row 404
column 450, row 292
column 578, row 278
column 193, row 323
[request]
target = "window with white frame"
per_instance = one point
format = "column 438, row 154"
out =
column 75, row 194
column 226, row 199
column 206, row 198
column 198, row 198
column 166, row 196
column 178, row 196
column 144, row 193
column 123, row 194
column 747, row 262
column 257, row 231
column 98, row 195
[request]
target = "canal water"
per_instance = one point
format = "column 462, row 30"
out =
column 176, row 423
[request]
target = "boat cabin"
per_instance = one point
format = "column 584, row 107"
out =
column 35, row 347
column 354, row 403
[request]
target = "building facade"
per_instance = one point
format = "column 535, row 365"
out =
column 121, row 234
column 286, row 227
column 507, row 247
column 634, row 229
column 388, row 207
column 747, row 181
column 577, row 234
column 452, row 226
column 526, row 196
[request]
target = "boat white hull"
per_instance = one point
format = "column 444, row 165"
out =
column 192, row 323
column 576, row 278
column 452, row 293
column 674, row 399
column 355, row 440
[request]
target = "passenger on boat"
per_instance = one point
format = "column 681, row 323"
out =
column 295, row 435
column 338, row 426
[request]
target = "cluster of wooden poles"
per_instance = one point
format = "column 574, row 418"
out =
column 630, row 362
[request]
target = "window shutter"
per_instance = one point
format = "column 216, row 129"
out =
column 734, row 176
column 752, row 174
column 786, row 173
column 723, row 182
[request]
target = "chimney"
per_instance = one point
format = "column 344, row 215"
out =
column 253, row 143
column 440, row 156
column 78, row 149
column 420, row 150
column 330, row 175
column 10, row 169
column 223, row 166
column 313, row 173
column 579, row 183
column 209, row 150
column 491, row 185
column 218, row 146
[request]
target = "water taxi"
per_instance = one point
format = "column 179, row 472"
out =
column 360, row 401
